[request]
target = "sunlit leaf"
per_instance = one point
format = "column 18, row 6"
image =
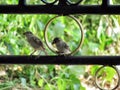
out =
column 40, row 82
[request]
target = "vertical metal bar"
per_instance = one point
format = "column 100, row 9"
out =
column 62, row 2
column 105, row 3
column 22, row 2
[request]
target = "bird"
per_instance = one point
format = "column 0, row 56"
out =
column 35, row 42
column 61, row 46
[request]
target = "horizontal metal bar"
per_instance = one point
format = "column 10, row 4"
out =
column 58, row 9
column 66, row 60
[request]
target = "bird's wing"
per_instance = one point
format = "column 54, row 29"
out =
column 38, row 41
column 66, row 46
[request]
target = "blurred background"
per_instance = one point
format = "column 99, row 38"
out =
column 101, row 37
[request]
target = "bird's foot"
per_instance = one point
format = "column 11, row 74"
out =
column 37, row 57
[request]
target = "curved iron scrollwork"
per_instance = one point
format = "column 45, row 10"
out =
column 74, row 3
column 100, row 81
column 47, row 2
column 61, row 2
column 80, row 29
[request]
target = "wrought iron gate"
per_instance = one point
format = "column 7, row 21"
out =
column 61, row 7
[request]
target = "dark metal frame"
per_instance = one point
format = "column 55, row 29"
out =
column 64, row 7
column 61, row 9
column 67, row 60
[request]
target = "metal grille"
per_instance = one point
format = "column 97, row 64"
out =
column 62, row 8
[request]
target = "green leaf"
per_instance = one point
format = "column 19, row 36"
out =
column 94, row 69
column 61, row 84
column 40, row 82
column 49, row 87
column 76, row 69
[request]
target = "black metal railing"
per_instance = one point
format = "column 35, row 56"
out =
column 63, row 7
column 70, row 60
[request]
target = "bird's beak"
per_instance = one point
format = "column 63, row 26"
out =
column 53, row 44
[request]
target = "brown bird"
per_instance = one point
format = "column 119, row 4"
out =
column 61, row 46
column 35, row 42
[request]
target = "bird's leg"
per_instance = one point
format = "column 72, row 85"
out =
column 45, row 52
column 38, row 55
column 33, row 52
column 60, row 53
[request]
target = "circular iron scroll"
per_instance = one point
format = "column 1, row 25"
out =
column 44, row 1
column 118, row 75
column 71, row 3
column 46, row 36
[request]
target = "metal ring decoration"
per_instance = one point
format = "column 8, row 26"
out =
column 48, row 3
column 117, row 72
column 81, row 30
column 70, row 2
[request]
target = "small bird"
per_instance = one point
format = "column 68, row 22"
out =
column 35, row 42
column 61, row 46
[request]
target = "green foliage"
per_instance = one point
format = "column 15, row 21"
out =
column 6, row 85
column 8, row 1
